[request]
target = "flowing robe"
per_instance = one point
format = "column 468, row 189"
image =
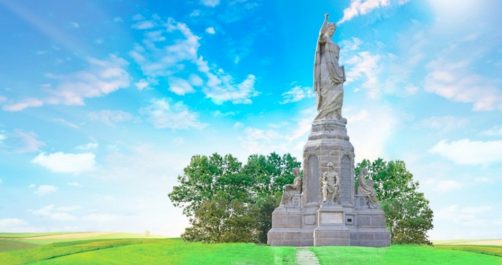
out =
column 328, row 79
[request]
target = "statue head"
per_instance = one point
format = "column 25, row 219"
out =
column 330, row 165
column 296, row 172
column 330, row 29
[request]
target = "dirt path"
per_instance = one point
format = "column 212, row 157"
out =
column 305, row 256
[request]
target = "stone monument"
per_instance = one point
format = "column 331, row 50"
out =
column 324, row 208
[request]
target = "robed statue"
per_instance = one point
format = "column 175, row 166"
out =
column 328, row 75
column 365, row 188
column 291, row 190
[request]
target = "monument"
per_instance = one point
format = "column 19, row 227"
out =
column 324, row 208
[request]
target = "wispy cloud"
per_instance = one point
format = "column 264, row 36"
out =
column 210, row 30
column 443, row 123
column 111, row 117
column 296, row 94
column 454, row 82
column 100, row 78
column 382, row 121
column 162, row 113
column 143, row 25
column 59, row 162
column 27, row 141
column 210, row 3
column 23, row 104
column 160, row 59
column 88, row 146
column 42, row 190
column 13, row 224
column 361, row 7
column 468, row 152
column 66, row 123
column 494, row 131
column 62, row 213
column 180, row 86
column 365, row 66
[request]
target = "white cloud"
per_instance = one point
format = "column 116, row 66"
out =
column 365, row 65
column 42, row 190
column 220, row 88
column 75, row 184
column 110, row 117
column 100, row 78
column 66, row 123
column 99, row 218
column 24, row 104
column 196, row 80
column 2, row 137
column 351, row 45
column 56, row 213
column 28, row 141
column 164, row 114
column 443, row 123
column 180, row 86
column 296, row 94
column 66, row 162
column 380, row 121
column 463, row 215
column 444, row 185
column 467, row 152
column 210, row 30
column 141, row 84
column 361, row 7
column 145, row 24
column 288, row 136
column 210, row 3
column 88, row 146
column 494, row 131
column 454, row 82
column 181, row 55
column 7, row 224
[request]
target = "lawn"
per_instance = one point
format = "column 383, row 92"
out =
column 94, row 248
column 402, row 255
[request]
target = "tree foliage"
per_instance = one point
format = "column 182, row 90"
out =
column 408, row 214
column 227, row 201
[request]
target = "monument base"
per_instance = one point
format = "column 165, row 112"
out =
column 290, row 237
column 332, row 230
column 350, row 220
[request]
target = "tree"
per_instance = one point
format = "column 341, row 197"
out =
column 407, row 211
column 226, row 201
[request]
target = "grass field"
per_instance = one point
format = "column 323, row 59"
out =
column 110, row 248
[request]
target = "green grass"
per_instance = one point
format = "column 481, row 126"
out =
column 488, row 250
column 8, row 245
column 24, row 235
column 150, row 251
column 401, row 255
column 101, row 248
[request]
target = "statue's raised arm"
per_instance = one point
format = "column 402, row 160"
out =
column 328, row 75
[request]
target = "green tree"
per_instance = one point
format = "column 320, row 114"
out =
column 226, row 201
column 269, row 173
column 408, row 214
column 205, row 177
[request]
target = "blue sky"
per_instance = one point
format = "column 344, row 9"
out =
column 102, row 104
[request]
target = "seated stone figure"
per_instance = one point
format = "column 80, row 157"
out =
column 365, row 188
column 330, row 185
column 292, row 189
